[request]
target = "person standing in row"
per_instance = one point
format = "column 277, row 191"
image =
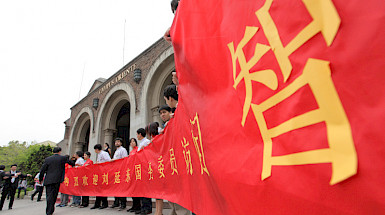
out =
column 136, row 206
column 107, row 149
column 120, row 153
column 54, row 171
column 86, row 199
column 76, row 200
column 143, row 142
column 103, row 156
column 64, row 198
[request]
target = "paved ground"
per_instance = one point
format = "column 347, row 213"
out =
column 27, row 207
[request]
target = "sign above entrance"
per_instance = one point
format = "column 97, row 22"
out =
column 117, row 79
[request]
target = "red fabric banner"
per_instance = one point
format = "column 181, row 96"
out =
column 281, row 111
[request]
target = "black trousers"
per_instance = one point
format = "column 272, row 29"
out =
column 85, row 201
column 120, row 201
column 19, row 190
column 39, row 191
column 8, row 190
column 146, row 204
column 52, row 191
column 136, row 203
column 102, row 200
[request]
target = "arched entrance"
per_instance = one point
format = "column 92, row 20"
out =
column 81, row 134
column 115, row 120
column 161, row 78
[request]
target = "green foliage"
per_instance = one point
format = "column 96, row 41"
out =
column 29, row 158
column 34, row 158
column 13, row 153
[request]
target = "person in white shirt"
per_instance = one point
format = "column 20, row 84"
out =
column 38, row 188
column 22, row 186
column 120, row 153
column 102, row 157
column 142, row 140
column 76, row 200
column 165, row 115
column 79, row 159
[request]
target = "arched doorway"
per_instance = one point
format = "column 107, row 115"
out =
column 115, row 120
column 161, row 78
column 81, row 134
column 123, row 124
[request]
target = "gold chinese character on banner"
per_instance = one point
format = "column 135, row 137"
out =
column 187, row 156
column 85, row 182
column 66, row 181
column 173, row 162
column 128, row 177
column 150, row 171
column 316, row 74
column 76, row 181
column 161, row 167
column 138, row 172
column 198, row 144
column 117, row 178
column 105, row 178
column 95, row 180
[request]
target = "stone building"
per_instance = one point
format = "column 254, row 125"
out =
column 119, row 105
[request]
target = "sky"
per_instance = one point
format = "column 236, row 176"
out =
column 52, row 51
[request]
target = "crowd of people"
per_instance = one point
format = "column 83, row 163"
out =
column 53, row 169
column 10, row 182
column 144, row 136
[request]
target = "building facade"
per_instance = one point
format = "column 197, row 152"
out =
column 119, row 105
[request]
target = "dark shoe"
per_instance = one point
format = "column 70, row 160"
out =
column 121, row 209
column 130, row 210
column 103, row 207
column 9, row 208
column 38, row 201
column 114, row 206
column 94, row 207
column 138, row 212
column 145, row 212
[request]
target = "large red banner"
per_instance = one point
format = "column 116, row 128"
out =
column 281, row 111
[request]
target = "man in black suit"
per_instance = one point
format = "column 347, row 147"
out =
column 3, row 175
column 10, row 185
column 54, row 171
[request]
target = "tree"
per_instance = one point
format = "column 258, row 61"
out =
column 34, row 158
column 13, row 153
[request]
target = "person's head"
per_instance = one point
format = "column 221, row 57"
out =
column 67, row 157
column 133, row 143
column 87, row 155
column 170, row 95
column 152, row 129
column 2, row 167
column 106, row 145
column 140, row 133
column 165, row 112
column 78, row 154
column 98, row 148
column 174, row 5
column 56, row 150
column 13, row 167
column 118, row 142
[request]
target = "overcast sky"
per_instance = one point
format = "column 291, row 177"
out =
column 46, row 44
